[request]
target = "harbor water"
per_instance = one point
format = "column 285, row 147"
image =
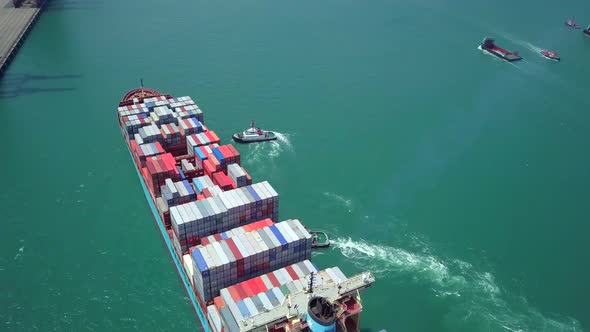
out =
column 459, row 180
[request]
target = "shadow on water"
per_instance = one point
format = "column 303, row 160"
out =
column 57, row 5
column 16, row 85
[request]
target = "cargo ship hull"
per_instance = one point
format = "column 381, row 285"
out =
column 198, row 305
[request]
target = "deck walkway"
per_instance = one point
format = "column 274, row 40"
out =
column 15, row 23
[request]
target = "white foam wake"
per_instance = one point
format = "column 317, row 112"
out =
column 268, row 151
column 340, row 200
column 477, row 302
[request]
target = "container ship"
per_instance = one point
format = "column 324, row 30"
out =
column 243, row 269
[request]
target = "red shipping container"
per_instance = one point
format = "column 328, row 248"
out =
column 133, row 146
column 214, row 161
column 167, row 220
column 273, row 280
column 159, row 147
column 246, row 288
column 234, row 293
column 239, row 292
column 219, row 303
column 200, row 197
column 214, row 135
column 234, row 152
column 226, row 154
column 235, row 251
column 206, row 193
column 209, row 136
column 222, row 180
column 253, row 286
column 208, row 168
column 292, row 273
column 259, row 285
column 162, row 170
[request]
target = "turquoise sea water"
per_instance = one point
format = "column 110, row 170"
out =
column 461, row 181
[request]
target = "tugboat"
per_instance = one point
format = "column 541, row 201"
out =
column 319, row 239
column 570, row 23
column 551, row 55
column 587, row 31
column 254, row 134
column 488, row 46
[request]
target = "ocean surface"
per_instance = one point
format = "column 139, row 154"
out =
column 461, row 181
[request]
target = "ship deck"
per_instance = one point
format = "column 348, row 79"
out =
column 299, row 300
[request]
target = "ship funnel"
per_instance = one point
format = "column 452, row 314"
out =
column 321, row 316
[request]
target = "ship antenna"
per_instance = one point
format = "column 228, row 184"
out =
column 311, row 277
column 141, row 83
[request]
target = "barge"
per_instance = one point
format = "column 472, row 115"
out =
column 488, row 46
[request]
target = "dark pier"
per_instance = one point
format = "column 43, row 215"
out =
column 17, row 17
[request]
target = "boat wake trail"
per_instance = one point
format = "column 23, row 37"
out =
column 533, row 48
column 476, row 302
column 283, row 140
column 281, row 144
column 270, row 150
column 340, row 200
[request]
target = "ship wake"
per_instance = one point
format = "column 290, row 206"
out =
column 257, row 153
column 477, row 302
column 347, row 203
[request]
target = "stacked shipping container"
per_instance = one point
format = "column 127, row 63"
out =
column 190, row 111
column 238, row 175
column 158, row 169
column 258, row 295
column 171, row 135
column 236, row 231
column 265, row 282
column 202, row 182
column 190, row 126
column 245, row 256
column 150, row 133
column 201, row 139
column 222, row 212
column 175, row 193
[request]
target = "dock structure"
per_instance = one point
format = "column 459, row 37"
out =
column 16, row 20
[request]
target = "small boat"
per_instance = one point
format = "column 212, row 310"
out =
column 570, row 23
column 587, row 31
column 488, row 46
column 551, row 55
column 319, row 239
column 254, row 134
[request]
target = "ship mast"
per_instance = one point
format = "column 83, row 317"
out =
column 310, row 286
